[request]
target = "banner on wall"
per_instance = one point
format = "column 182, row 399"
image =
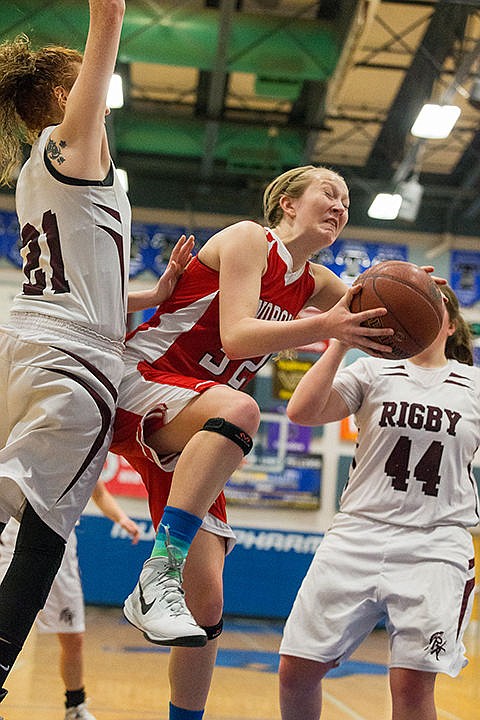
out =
column 298, row 438
column 349, row 258
column 465, row 276
column 297, row 485
column 121, row 479
column 286, row 374
column 260, row 557
column 9, row 238
column 152, row 244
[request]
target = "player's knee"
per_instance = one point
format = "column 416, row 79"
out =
column 207, row 607
column 244, row 412
column 288, row 676
column 296, row 673
column 237, row 434
column 411, row 688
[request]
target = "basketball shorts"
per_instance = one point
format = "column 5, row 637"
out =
column 64, row 610
column 152, row 403
column 57, row 403
column 419, row 581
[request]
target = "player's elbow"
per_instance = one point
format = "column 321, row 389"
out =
column 301, row 414
column 295, row 414
column 233, row 350
column 233, row 345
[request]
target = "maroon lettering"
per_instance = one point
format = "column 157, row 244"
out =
column 388, row 412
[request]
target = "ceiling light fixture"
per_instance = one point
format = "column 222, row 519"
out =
column 385, row 206
column 412, row 193
column 115, row 92
column 435, row 122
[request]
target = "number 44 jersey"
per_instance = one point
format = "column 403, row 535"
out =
column 419, row 429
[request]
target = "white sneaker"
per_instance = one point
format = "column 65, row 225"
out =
column 79, row 712
column 157, row 604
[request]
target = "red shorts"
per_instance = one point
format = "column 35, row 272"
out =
column 156, row 480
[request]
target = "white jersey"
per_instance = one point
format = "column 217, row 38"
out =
column 75, row 245
column 419, row 429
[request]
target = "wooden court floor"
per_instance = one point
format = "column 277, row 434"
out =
column 126, row 677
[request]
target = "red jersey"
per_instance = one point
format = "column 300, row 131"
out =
column 183, row 337
column 178, row 354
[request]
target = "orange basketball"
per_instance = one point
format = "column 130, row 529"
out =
column 413, row 300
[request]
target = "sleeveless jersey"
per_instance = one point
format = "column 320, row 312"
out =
column 183, row 337
column 419, row 429
column 75, row 245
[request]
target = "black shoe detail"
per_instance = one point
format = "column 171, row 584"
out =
column 145, row 607
column 189, row 641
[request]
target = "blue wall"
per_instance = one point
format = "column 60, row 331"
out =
column 262, row 573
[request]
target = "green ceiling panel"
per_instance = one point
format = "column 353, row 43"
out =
column 265, row 45
column 180, row 137
column 238, row 146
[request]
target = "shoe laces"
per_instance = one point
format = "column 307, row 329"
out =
column 170, row 579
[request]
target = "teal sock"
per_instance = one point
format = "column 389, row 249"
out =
column 180, row 527
column 176, row 713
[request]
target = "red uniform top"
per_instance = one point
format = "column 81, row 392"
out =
column 183, row 337
column 180, row 345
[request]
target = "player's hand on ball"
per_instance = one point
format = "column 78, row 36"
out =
column 430, row 269
column 351, row 328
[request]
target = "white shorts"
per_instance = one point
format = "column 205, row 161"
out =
column 158, row 396
column 57, row 403
column 419, row 580
column 64, row 610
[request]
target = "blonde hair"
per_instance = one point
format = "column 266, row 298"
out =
column 459, row 346
column 27, row 99
column 293, row 183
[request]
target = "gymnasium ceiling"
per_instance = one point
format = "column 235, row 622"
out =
column 221, row 95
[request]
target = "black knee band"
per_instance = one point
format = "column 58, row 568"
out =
column 230, row 431
column 213, row 631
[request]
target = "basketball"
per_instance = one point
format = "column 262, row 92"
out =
column 413, row 300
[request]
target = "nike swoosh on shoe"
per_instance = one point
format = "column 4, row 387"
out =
column 145, row 607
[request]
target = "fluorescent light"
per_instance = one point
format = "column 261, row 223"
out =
column 123, row 177
column 385, row 206
column 412, row 193
column 435, row 122
column 115, row 92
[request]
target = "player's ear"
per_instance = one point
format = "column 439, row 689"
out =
column 288, row 206
column 452, row 326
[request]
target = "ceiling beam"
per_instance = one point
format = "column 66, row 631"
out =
column 218, row 79
column 447, row 25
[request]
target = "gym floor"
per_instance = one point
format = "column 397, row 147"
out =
column 126, row 677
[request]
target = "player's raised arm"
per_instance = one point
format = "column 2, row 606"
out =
column 80, row 138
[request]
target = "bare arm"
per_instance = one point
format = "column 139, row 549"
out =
column 82, row 130
column 242, row 257
column 112, row 510
column 314, row 402
column 179, row 259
